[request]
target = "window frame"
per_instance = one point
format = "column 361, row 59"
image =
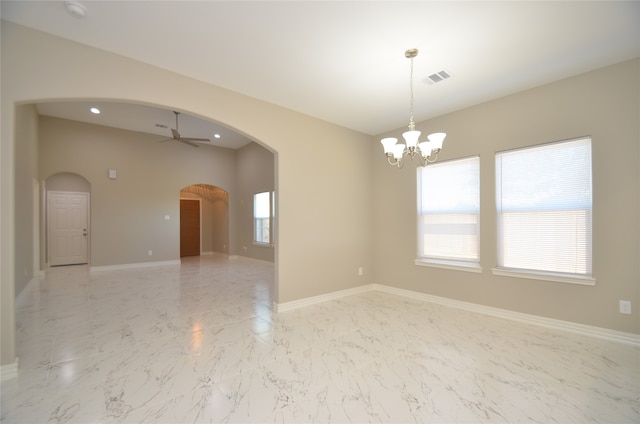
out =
column 270, row 220
column 539, row 274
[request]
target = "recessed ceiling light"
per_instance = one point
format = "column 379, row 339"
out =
column 95, row 110
column 216, row 135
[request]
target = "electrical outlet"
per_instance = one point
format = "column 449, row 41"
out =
column 360, row 272
column 625, row 307
column 150, row 252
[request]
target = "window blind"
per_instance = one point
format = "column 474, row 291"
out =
column 449, row 210
column 544, row 208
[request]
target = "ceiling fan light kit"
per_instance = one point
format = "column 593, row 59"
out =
column 425, row 151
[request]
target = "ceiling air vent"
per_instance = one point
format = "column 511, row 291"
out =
column 437, row 77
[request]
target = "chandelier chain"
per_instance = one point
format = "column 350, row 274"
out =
column 411, row 123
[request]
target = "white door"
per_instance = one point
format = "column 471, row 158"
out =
column 68, row 230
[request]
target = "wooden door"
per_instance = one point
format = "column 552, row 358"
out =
column 68, row 229
column 189, row 227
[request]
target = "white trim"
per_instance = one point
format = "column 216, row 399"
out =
column 9, row 371
column 131, row 266
column 555, row 324
column 248, row 259
column 532, row 275
column 207, row 253
column 457, row 266
column 261, row 244
column 314, row 300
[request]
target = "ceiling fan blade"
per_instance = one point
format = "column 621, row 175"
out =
column 176, row 134
column 188, row 142
column 195, row 139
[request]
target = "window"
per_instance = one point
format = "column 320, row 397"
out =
column 449, row 212
column 543, row 197
column 263, row 213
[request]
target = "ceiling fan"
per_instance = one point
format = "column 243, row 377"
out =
column 175, row 135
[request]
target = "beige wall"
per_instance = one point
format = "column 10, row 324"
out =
column 603, row 104
column 309, row 262
column 255, row 175
column 26, row 205
column 128, row 213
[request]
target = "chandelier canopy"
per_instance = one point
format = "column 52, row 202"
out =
column 425, row 151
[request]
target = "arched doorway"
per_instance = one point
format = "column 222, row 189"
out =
column 66, row 212
column 204, row 220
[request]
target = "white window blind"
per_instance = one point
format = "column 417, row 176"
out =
column 544, row 199
column 449, row 210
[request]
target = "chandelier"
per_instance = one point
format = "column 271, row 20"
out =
column 425, row 151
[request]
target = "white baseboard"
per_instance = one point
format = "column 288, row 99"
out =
column 131, row 266
column 248, row 259
column 9, row 371
column 301, row 303
column 554, row 324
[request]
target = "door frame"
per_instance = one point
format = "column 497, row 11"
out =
column 49, row 217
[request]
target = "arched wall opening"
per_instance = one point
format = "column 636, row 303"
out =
column 146, row 170
column 213, row 218
column 61, row 182
column 307, row 263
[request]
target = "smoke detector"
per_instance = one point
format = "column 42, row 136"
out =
column 76, row 9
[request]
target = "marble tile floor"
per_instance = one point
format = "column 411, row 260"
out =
column 199, row 343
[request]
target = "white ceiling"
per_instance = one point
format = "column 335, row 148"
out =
column 343, row 61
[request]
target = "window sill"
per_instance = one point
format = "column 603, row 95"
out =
column 454, row 265
column 585, row 281
column 258, row 244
